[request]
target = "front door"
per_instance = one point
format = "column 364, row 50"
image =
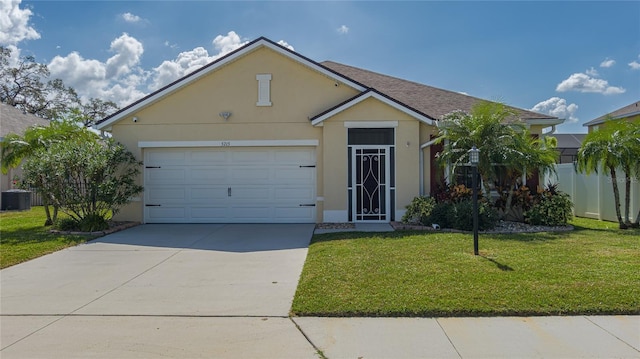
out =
column 370, row 174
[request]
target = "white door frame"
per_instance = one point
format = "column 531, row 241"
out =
column 387, row 185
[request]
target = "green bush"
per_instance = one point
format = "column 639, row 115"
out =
column 551, row 208
column 441, row 215
column 463, row 216
column 67, row 224
column 93, row 223
column 419, row 210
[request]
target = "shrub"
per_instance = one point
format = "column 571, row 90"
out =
column 419, row 210
column 67, row 224
column 551, row 208
column 441, row 215
column 93, row 222
column 463, row 216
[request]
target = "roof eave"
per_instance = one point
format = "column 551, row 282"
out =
column 370, row 93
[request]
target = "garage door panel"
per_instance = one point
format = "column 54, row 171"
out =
column 159, row 176
column 166, row 194
column 156, row 158
column 250, row 156
column 295, row 156
column 230, row 185
column 166, row 214
column 250, row 175
column 209, row 214
column 290, row 175
column 207, row 175
column 202, row 194
column 208, row 157
column 294, row 194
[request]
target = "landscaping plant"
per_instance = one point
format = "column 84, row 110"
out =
column 88, row 180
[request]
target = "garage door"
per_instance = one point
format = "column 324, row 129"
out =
column 230, row 185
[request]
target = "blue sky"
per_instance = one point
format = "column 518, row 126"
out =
column 577, row 60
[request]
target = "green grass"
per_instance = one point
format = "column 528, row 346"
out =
column 594, row 269
column 23, row 236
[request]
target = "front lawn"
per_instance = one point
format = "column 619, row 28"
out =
column 594, row 269
column 23, row 237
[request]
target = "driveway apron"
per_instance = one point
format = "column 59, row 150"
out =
column 151, row 285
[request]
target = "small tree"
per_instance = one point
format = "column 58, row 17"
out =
column 15, row 148
column 607, row 149
column 507, row 149
column 86, row 180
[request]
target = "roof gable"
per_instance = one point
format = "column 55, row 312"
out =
column 627, row 111
column 213, row 66
column 370, row 93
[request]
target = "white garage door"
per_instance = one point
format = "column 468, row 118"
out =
column 230, row 185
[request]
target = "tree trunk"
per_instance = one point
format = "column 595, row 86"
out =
column 627, row 197
column 48, row 222
column 616, row 197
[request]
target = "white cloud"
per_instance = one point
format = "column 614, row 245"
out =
column 131, row 18
column 285, row 44
column 189, row 61
column 592, row 72
column 582, row 82
column 557, row 107
column 119, row 79
column 635, row 65
column 226, row 44
column 14, row 23
column 607, row 62
column 170, row 45
column 128, row 52
column 343, row 29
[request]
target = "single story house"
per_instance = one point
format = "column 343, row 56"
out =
column 568, row 146
column 14, row 120
column 630, row 112
column 265, row 134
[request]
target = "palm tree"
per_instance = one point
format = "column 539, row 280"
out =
column 507, row 149
column 608, row 149
column 15, row 148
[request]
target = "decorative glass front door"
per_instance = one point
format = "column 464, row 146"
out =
column 370, row 187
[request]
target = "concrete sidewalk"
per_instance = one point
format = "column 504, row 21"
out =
column 224, row 291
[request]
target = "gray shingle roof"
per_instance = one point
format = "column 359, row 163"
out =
column 432, row 101
column 627, row 111
column 13, row 120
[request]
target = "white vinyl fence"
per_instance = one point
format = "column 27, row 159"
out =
column 592, row 195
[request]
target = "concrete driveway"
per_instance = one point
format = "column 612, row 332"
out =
column 175, row 290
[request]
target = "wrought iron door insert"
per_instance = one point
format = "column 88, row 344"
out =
column 370, row 170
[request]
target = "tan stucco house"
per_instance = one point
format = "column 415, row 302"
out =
column 630, row 112
column 14, row 120
column 265, row 134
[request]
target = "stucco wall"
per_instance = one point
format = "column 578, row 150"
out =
column 407, row 139
column 191, row 113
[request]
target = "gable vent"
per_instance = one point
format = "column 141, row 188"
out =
column 264, row 89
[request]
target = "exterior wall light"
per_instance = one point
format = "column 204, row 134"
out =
column 225, row 115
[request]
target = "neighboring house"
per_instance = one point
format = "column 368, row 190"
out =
column 568, row 146
column 629, row 113
column 265, row 134
column 13, row 120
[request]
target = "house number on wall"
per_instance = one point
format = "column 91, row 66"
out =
column 225, row 144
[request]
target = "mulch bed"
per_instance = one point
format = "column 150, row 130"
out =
column 502, row 227
column 113, row 227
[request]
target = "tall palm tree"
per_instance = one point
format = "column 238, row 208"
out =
column 507, row 149
column 608, row 149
